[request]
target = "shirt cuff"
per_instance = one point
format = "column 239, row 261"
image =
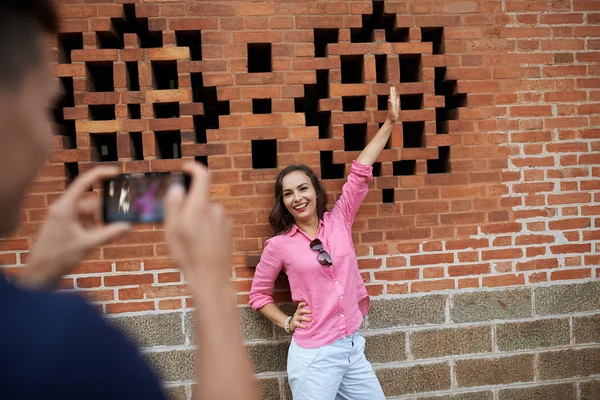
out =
column 362, row 170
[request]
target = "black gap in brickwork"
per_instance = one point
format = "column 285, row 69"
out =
column 191, row 39
column 199, row 129
column 197, row 87
column 259, row 57
column 387, row 195
column 100, row 76
column 202, row 160
column 261, row 106
column 166, row 110
column 382, row 102
column 139, row 26
column 442, row 164
column 377, row 169
column 410, row 68
column 352, row 69
column 208, row 96
column 109, row 40
column 71, row 172
column 435, row 35
column 66, row 128
column 452, row 100
column 168, row 144
column 324, row 124
column 133, row 76
column 411, row 101
column 322, row 38
column 329, row 170
column 102, row 112
column 68, row 95
column 134, row 111
column 137, row 145
column 355, row 137
column 67, row 42
column 381, row 68
column 404, row 167
column 164, row 75
column 378, row 20
column 353, row 103
column 264, row 154
column 104, row 147
column 413, row 134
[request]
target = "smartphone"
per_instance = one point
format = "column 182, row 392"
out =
column 138, row 198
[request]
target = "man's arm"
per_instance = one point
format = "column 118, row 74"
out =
column 200, row 239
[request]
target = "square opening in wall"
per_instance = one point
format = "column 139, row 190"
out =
column 355, row 137
column 382, row 102
column 71, row 172
column 411, row 101
column 202, row 160
column 191, row 39
column 259, row 57
column 352, row 69
column 137, row 145
column 164, row 75
column 199, row 129
column 442, row 164
column 134, row 111
column 329, row 170
column 435, row 35
column 353, row 103
column 261, row 106
column 264, row 154
column 108, row 40
column 133, row 76
column 381, row 68
column 67, row 42
column 168, row 144
column 404, row 167
column 100, row 76
column 324, row 124
column 413, row 134
column 397, row 35
column 322, row 38
column 410, row 68
column 377, row 169
column 387, row 195
column 102, row 112
column 104, row 147
column 166, row 110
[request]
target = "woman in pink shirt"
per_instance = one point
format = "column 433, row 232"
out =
column 314, row 247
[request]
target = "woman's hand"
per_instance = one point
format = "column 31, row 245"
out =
column 300, row 317
column 393, row 106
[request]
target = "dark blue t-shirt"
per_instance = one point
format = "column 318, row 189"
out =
column 55, row 346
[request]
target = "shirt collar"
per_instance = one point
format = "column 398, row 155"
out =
column 295, row 229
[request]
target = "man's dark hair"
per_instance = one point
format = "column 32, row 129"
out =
column 21, row 23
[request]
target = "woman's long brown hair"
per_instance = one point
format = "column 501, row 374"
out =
column 280, row 219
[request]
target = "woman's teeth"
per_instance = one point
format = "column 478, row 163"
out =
column 301, row 207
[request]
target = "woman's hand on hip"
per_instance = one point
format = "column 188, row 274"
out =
column 301, row 316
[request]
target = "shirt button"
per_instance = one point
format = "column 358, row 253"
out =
column 336, row 282
column 342, row 315
column 341, row 297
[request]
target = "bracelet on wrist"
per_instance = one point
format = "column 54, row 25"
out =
column 287, row 326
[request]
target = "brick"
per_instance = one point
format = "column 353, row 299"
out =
column 268, row 357
column 414, row 379
column 564, row 299
column 173, row 365
column 386, row 348
column 569, row 363
column 407, row 311
column 586, row 329
column 444, row 342
column 563, row 391
column 590, row 390
column 533, row 334
column 152, row 329
column 493, row 305
column 494, row 371
column 129, row 307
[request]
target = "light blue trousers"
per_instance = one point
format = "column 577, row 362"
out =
column 339, row 371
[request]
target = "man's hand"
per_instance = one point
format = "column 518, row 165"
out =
column 198, row 231
column 393, row 106
column 72, row 229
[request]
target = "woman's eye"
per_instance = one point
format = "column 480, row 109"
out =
column 303, row 189
column 286, row 194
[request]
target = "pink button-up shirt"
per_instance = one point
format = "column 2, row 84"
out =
column 336, row 295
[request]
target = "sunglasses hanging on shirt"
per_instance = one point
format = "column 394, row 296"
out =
column 323, row 257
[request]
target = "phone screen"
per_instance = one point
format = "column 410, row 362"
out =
column 139, row 198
